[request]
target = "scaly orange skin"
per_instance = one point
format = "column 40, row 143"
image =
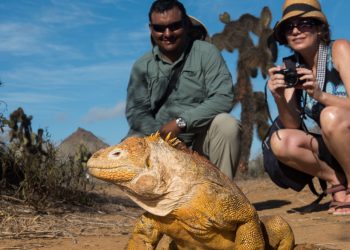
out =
column 186, row 198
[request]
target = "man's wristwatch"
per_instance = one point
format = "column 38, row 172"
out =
column 181, row 123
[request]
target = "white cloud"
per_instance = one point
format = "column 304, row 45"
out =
column 20, row 38
column 32, row 98
column 71, row 14
column 129, row 44
column 120, row 4
column 54, row 32
column 48, row 78
column 24, row 39
column 100, row 113
column 62, row 117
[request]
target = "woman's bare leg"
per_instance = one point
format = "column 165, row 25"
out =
column 335, row 123
column 299, row 150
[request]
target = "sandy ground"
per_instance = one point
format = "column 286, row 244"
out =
column 108, row 224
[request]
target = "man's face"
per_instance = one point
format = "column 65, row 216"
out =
column 168, row 30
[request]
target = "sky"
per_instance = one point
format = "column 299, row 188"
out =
column 67, row 62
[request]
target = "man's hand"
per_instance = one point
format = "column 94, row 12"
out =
column 170, row 127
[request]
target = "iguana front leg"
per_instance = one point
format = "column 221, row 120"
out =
column 249, row 236
column 145, row 235
column 277, row 232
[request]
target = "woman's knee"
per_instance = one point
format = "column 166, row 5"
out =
column 282, row 143
column 334, row 119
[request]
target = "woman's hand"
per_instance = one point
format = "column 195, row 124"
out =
column 276, row 83
column 310, row 84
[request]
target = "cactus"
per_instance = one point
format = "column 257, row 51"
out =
column 236, row 35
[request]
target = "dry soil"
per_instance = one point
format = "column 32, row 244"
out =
column 107, row 225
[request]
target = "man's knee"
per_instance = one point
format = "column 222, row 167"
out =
column 226, row 125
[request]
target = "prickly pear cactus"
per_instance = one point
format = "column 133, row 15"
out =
column 236, row 35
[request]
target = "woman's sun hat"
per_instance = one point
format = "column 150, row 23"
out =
column 298, row 8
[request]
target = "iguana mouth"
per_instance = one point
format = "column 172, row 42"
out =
column 106, row 167
column 114, row 174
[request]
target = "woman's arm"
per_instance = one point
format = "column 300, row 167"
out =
column 341, row 62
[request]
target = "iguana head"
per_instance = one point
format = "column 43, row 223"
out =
column 120, row 163
column 150, row 170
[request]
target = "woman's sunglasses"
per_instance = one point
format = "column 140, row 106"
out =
column 172, row 27
column 303, row 25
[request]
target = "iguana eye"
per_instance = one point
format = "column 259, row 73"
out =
column 115, row 153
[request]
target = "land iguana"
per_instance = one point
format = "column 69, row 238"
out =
column 186, row 198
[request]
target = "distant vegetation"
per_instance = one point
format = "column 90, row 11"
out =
column 32, row 171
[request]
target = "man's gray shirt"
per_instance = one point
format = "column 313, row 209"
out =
column 203, row 90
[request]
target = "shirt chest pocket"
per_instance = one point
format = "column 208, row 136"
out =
column 157, row 89
column 191, row 86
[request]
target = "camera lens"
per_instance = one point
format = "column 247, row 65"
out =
column 291, row 78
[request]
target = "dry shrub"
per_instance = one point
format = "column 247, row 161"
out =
column 31, row 170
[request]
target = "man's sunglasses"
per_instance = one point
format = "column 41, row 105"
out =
column 303, row 25
column 172, row 27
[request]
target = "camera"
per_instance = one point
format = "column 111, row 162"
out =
column 290, row 77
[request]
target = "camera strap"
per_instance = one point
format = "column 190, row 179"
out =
column 321, row 68
column 321, row 64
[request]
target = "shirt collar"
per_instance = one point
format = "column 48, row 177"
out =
column 158, row 55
